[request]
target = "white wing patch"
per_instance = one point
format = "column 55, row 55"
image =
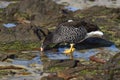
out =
column 94, row 33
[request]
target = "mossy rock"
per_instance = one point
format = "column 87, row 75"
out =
column 112, row 68
column 52, row 78
column 53, row 65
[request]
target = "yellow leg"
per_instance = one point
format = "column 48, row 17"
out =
column 71, row 50
column 71, row 46
column 71, row 55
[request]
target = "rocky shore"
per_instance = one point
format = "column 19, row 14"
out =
column 19, row 44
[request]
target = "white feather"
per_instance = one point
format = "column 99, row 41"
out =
column 95, row 33
column 70, row 20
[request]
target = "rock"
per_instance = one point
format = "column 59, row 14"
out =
column 22, row 32
column 26, row 56
column 51, row 78
column 70, row 73
column 59, row 63
column 41, row 13
column 93, row 58
column 4, row 56
column 27, row 14
column 112, row 68
column 10, row 67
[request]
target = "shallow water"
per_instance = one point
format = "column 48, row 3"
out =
column 4, row 4
column 33, row 66
column 35, row 60
column 71, row 8
column 9, row 25
column 77, row 54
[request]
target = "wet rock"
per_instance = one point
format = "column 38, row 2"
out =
column 91, row 71
column 112, row 68
column 29, row 14
column 31, row 33
column 42, row 13
column 17, row 71
column 51, row 78
column 93, row 58
column 68, row 73
column 10, row 67
column 26, row 56
column 4, row 56
column 59, row 63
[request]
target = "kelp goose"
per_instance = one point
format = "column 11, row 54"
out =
column 71, row 32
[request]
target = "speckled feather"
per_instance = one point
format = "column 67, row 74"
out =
column 71, row 32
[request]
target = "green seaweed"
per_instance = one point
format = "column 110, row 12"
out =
column 56, row 69
column 19, row 45
column 4, row 73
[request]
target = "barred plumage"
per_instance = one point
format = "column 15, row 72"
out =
column 70, row 32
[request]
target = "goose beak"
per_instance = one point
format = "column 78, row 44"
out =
column 41, row 49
